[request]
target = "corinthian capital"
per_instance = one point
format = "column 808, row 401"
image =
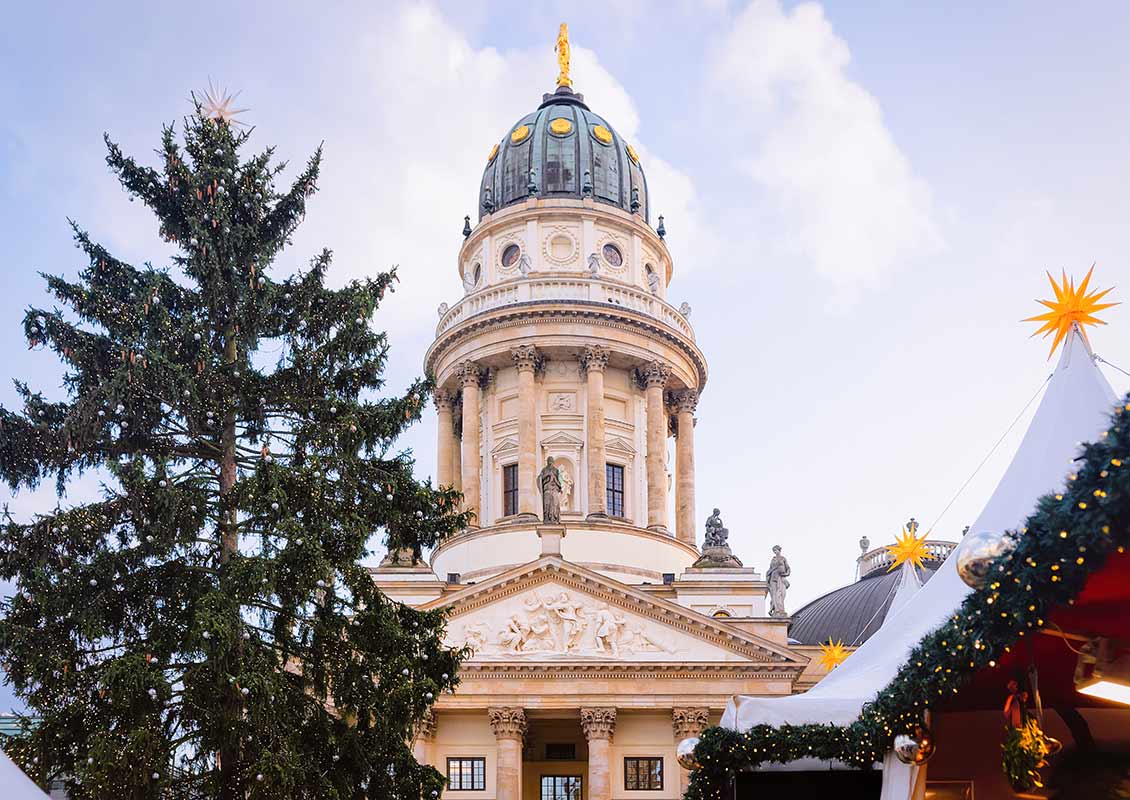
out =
column 688, row 722
column 470, row 373
column 507, row 723
column 685, row 400
column 444, row 400
column 598, row 723
column 525, row 357
column 594, row 358
column 655, row 373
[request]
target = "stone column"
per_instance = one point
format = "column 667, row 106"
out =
column 445, row 438
column 685, row 403
column 594, row 360
column 457, row 445
column 688, row 722
column 509, row 726
column 655, row 377
column 599, row 725
column 470, row 374
column 424, row 734
column 526, row 359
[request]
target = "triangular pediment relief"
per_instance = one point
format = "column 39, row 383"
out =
column 556, row 612
column 563, row 439
column 619, row 445
column 506, row 446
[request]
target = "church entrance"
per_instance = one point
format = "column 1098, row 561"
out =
column 554, row 758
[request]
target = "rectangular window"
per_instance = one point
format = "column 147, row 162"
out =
column 614, row 481
column 644, row 774
column 564, row 751
column 467, row 774
column 510, row 490
column 561, row 787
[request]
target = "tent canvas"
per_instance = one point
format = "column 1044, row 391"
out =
column 1075, row 408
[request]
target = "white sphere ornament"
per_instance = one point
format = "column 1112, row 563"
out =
column 916, row 748
column 684, row 753
column 259, row 776
column 976, row 553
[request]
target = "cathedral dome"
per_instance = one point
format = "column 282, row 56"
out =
column 564, row 150
column 852, row 613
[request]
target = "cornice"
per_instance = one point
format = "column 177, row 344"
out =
column 592, row 313
column 614, row 671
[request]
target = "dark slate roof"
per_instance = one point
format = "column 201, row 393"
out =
column 851, row 613
column 576, row 162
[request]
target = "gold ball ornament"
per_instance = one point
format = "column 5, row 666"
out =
column 916, row 748
column 684, row 753
column 976, row 554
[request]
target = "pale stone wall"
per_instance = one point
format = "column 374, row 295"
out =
column 559, row 236
column 467, row 735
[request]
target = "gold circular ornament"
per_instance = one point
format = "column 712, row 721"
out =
column 520, row 133
column 493, row 153
column 560, row 126
column 632, row 154
column 602, row 134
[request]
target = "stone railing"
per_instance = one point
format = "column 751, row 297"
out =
column 564, row 290
column 880, row 558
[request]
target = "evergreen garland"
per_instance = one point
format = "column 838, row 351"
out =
column 1067, row 538
column 206, row 629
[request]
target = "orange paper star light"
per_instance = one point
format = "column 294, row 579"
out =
column 1072, row 306
column 907, row 547
column 832, row 654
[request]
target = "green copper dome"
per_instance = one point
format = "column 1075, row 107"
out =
column 563, row 150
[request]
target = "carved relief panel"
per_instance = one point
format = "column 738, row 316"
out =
column 558, row 623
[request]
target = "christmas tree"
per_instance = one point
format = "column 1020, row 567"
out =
column 206, row 628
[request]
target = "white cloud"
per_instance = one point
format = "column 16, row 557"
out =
column 430, row 107
column 847, row 198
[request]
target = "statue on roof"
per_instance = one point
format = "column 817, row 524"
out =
column 562, row 50
column 716, row 534
column 777, row 577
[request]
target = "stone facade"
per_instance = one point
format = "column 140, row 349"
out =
column 596, row 643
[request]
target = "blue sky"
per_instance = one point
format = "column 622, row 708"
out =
column 861, row 200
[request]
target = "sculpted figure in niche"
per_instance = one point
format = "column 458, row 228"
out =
column 566, row 489
column 594, row 265
column 716, row 535
column 549, row 479
column 607, row 630
column 777, row 577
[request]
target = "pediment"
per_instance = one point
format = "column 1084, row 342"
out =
column 620, row 445
column 552, row 611
column 505, row 447
column 563, row 439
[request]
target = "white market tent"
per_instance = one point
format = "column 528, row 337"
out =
column 14, row 784
column 1075, row 408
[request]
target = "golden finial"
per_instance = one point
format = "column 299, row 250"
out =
column 562, row 50
column 1072, row 306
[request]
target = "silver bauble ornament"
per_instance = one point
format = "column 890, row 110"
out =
column 915, row 748
column 684, row 753
column 976, row 554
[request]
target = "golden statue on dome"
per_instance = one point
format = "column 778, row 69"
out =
column 562, row 50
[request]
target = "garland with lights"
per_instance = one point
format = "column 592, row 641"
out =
column 1067, row 538
column 206, row 629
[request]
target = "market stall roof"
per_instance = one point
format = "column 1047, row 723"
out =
column 1075, row 408
column 14, row 784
